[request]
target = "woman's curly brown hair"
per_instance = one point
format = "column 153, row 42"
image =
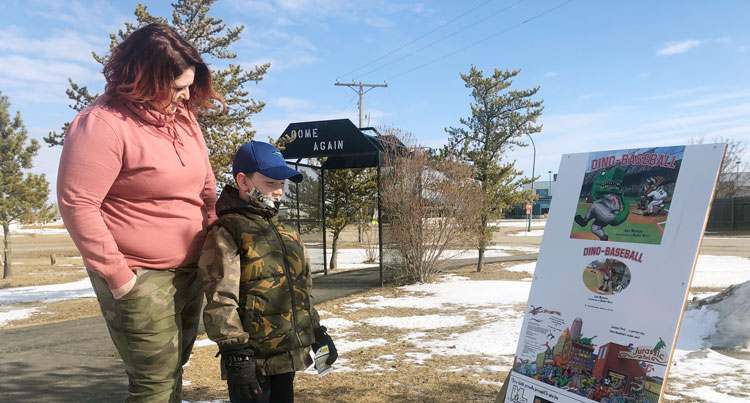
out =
column 143, row 67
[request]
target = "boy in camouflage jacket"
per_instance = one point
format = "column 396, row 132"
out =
column 258, row 283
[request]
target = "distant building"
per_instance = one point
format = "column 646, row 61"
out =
column 575, row 330
column 740, row 181
column 544, row 191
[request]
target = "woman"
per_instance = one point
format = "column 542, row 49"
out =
column 136, row 192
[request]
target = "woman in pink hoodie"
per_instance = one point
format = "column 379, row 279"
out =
column 136, row 192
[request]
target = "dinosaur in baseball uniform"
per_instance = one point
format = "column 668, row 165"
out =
column 608, row 206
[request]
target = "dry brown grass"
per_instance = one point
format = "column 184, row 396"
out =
column 390, row 370
column 31, row 261
column 492, row 271
column 53, row 312
column 38, row 271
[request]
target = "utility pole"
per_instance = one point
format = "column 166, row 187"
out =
column 361, row 93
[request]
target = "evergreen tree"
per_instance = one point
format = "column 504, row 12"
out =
column 499, row 118
column 309, row 201
column 21, row 195
column 347, row 193
column 224, row 132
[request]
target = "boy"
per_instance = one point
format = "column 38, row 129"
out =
column 258, row 283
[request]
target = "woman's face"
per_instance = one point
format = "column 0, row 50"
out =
column 180, row 92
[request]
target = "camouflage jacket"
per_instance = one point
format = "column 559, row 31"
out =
column 258, row 284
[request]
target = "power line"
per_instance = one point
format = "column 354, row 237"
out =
column 398, row 110
column 405, row 45
column 361, row 93
column 445, row 37
column 482, row 40
column 350, row 101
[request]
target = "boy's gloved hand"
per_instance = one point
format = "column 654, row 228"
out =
column 321, row 339
column 241, row 372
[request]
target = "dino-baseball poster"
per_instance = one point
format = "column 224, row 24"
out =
column 626, row 195
column 613, row 274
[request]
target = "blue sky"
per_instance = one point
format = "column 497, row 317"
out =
column 613, row 75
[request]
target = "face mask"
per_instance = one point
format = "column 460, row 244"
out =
column 261, row 199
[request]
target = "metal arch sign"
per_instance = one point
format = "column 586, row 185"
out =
column 325, row 138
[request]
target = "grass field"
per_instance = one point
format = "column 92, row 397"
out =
column 591, row 280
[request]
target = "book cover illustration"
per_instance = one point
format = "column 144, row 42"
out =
column 626, row 195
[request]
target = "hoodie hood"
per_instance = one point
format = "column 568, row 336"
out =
column 230, row 202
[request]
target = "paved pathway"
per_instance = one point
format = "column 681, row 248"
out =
column 75, row 361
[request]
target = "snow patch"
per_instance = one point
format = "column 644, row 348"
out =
column 425, row 322
column 47, row 293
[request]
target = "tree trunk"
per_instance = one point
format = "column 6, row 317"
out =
column 480, row 262
column 482, row 243
column 334, row 249
column 6, row 252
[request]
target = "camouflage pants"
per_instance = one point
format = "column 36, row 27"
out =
column 153, row 328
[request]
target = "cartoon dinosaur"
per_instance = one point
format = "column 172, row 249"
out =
column 586, row 382
column 647, row 367
column 608, row 207
column 562, row 377
column 601, row 391
column 586, row 340
column 660, row 345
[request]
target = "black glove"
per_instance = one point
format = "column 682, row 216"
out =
column 241, row 372
column 321, row 339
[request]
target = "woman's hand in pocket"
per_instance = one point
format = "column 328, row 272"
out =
column 125, row 288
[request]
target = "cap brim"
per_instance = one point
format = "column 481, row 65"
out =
column 282, row 172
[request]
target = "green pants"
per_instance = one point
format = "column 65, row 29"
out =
column 153, row 328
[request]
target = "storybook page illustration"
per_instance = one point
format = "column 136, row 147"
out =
column 626, row 195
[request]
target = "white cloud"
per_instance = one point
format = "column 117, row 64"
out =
column 377, row 21
column 40, row 70
column 715, row 98
column 92, row 15
column 251, row 6
column 678, row 94
column 63, row 45
column 325, row 7
column 291, row 103
column 293, row 40
column 283, row 22
column 550, row 74
column 675, row 48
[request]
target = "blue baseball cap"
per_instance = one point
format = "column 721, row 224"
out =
column 257, row 156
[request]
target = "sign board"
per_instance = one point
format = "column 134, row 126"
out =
column 528, row 208
column 325, row 138
column 613, row 274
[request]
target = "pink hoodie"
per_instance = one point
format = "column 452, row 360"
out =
column 135, row 189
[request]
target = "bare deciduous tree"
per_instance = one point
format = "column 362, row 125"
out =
column 430, row 205
column 730, row 180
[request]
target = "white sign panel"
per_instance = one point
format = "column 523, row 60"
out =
column 613, row 274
